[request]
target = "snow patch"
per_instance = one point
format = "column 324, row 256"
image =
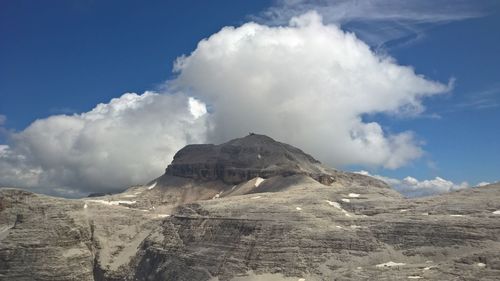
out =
column 480, row 264
column 415, row 277
column 353, row 195
column 301, row 279
column 113, row 203
column 334, row 204
column 355, row 226
column 258, row 156
column 456, row 215
column 298, row 208
column 255, row 197
column 337, row 205
column 152, row 186
column 428, row 267
column 217, row 195
column 390, row 264
column 258, row 181
column 403, row 210
column 345, row 200
column 4, row 230
column 130, row 195
column 163, row 216
column 85, row 206
column 497, row 212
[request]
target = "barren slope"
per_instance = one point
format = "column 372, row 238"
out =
column 224, row 213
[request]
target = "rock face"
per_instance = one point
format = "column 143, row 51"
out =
column 220, row 214
column 40, row 241
column 243, row 159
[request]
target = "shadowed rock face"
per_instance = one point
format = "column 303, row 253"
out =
column 281, row 226
column 243, row 159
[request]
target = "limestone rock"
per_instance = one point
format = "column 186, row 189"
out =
column 243, row 159
column 223, row 213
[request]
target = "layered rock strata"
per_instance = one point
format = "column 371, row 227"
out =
column 224, row 213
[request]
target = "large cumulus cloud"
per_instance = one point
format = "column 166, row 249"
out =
column 126, row 141
column 308, row 84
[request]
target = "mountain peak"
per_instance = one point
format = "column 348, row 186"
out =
column 242, row 159
column 253, row 138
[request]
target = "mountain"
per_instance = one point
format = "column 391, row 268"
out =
column 243, row 159
column 251, row 209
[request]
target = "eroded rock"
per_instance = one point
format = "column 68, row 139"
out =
column 224, row 213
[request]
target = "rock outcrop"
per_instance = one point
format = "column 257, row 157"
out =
column 224, row 213
column 243, row 159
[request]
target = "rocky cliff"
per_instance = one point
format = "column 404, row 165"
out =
column 243, row 159
column 251, row 209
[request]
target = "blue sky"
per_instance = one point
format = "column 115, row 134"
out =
column 462, row 142
column 65, row 57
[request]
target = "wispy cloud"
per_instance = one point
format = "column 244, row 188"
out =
column 489, row 98
column 383, row 23
column 3, row 130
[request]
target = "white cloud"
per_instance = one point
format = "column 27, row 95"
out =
column 197, row 108
column 381, row 21
column 127, row 141
column 481, row 100
column 411, row 187
column 308, row 84
column 3, row 118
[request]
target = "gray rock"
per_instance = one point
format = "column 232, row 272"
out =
column 243, row 159
column 253, row 224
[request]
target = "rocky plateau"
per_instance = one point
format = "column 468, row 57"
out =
column 251, row 209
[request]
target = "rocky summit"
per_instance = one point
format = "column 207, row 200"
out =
column 251, row 209
column 243, row 159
